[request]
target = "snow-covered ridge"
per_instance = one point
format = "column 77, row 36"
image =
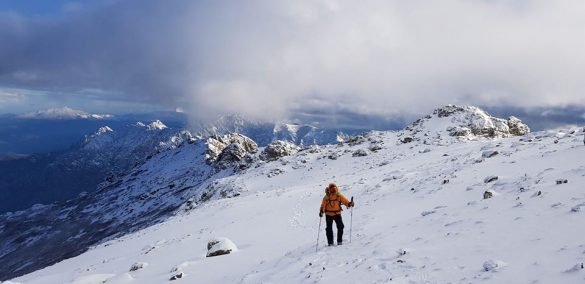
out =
column 421, row 216
column 64, row 113
column 265, row 133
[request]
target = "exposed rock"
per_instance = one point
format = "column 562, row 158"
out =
column 577, row 208
column 278, row 149
column 229, row 149
column 489, row 154
column 561, row 181
column 220, row 246
column 274, row 172
column 493, row 265
column 177, row 276
column 489, row 179
column 469, row 121
column 333, row 156
column 359, row 153
column 375, row 148
column 517, row 128
column 406, row 140
column 138, row 265
column 425, row 213
column 538, row 193
column 459, row 131
column 488, row 195
column 355, row 140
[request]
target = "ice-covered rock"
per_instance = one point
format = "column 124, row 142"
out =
column 493, row 265
column 278, row 149
column 220, row 246
column 138, row 266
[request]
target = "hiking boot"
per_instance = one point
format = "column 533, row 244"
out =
column 330, row 244
column 339, row 243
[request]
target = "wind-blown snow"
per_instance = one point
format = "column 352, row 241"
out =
column 420, row 217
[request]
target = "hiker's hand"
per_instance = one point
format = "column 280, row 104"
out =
column 351, row 204
column 320, row 214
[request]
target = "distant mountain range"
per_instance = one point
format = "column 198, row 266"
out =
column 112, row 147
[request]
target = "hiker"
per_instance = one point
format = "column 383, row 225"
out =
column 331, row 206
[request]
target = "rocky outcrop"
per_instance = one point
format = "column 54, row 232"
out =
column 278, row 149
column 230, row 149
column 461, row 122
column 517, row 128
column 220, row 246
column 475, row 121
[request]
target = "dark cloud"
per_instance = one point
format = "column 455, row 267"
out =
column 273, row 58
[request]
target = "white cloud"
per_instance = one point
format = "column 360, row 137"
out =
column 266, row 58
column 10, row 97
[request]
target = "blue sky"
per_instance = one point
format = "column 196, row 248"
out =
column 270, row 59
column 46, row 8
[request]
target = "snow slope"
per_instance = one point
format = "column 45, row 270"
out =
column 420, row 216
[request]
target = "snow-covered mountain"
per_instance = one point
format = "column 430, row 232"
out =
column 265, row 133
column 64, row 113
column 44, row 178
column 457, row 197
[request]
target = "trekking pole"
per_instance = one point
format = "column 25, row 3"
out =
column 351, row 220
column 318, row 234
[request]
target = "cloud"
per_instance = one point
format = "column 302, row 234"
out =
column 10, row 97
column 269, row 58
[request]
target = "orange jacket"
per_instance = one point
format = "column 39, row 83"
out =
column 331, row 203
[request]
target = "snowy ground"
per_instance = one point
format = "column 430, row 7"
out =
column 420, row 217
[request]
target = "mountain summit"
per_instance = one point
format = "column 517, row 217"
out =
column 451, row 123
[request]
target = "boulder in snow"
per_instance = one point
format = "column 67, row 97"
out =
column 138, row 265
column 178, row 275
column 489, row 154
column 278, row 149
column 493, row 265
column 488, row 195
column 406, row 140
column 220, row 246
column 359, row 153
column 489, row 179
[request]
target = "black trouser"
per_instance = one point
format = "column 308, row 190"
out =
column 329, row 229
